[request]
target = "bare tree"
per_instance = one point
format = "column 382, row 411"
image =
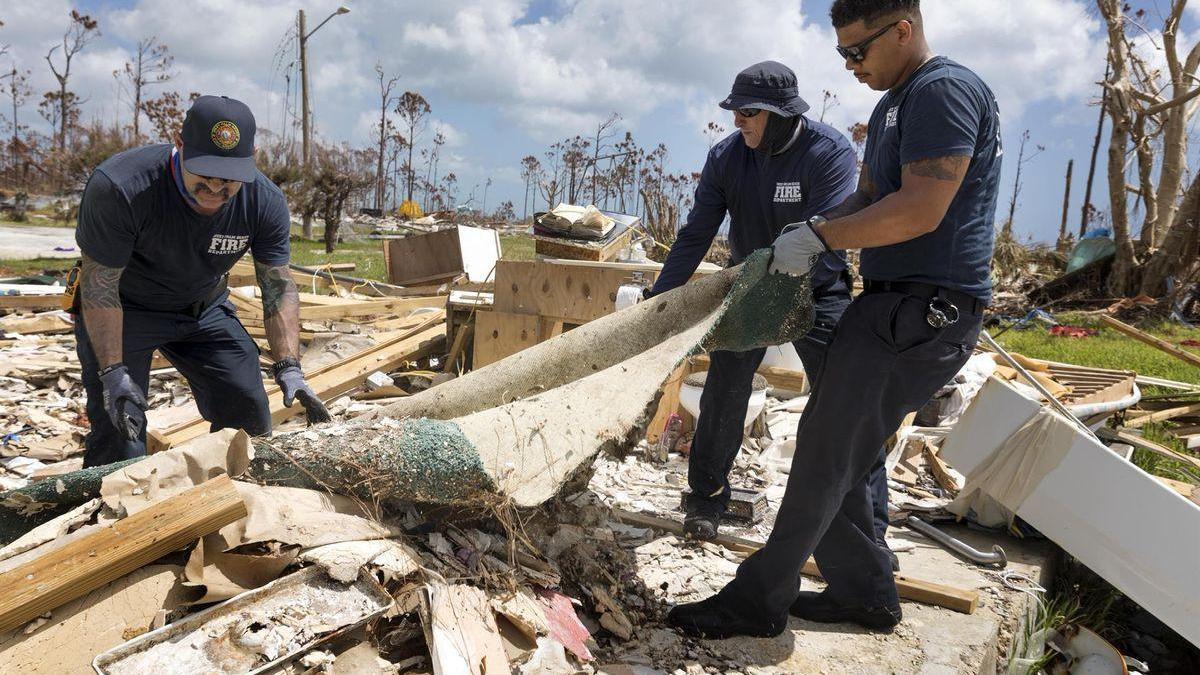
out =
column 151, row 65
column 1017, row 185
column 17, row 90
column 531, row 171
column 82, row 30
column 604, row 131
column 386, row 101
column 829, row 101
column 413, row 110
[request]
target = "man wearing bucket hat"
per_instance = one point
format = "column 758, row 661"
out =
column 159, row 228
column 780, row 167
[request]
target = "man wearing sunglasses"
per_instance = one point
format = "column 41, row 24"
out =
column 779, row 167
column 922, row 215
column 159, row 228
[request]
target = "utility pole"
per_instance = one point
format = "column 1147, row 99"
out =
column 1087, row 193
column 305, row 111
column 483, row 209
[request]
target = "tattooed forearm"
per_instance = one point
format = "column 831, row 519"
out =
column 281, row 310
column 277, row 288
column 99, row 295
column 941, row 168
column 100, row 285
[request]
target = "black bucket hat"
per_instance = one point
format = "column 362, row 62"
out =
column 769, row 86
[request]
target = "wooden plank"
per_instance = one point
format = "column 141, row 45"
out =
column 1162, row 415
column 779, row 378
column 573, row 293
column 458, row 347
column 332, row 380
column 111, row 552
column 34, row 303
column 370, row 308
column 918, row 590
column 422, row 257
column 1146, row 338
column 1149, row 446
column 668, row 403
column 502, row 334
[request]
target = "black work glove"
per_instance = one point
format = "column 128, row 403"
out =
column 123, row 401
column 291, row 382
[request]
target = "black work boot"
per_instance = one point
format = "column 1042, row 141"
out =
column 714, row 619
column 822, row 608
column 702, row 520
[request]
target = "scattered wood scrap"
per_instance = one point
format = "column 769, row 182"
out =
column 1146, row 338
column 111, row 552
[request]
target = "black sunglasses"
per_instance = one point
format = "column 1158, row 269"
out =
column 748, row 112
column 858, row 52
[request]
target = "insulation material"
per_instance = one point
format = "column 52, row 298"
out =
column 521, row 427
column 343, row 560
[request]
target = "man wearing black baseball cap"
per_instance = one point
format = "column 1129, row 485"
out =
column 780, row 168
column 159, row 227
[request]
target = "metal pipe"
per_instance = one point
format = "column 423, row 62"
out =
column 996, row 557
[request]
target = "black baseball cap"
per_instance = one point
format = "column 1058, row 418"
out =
column 769, row 86
column 218, row 139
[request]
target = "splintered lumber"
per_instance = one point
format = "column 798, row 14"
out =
column 56, row 578
column 1146, row 338
column 334, row 379
column 370, row 308
column 34, row 303
column 918, row 590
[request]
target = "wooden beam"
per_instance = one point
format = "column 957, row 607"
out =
column 1162, row 415
column 780, row 378
column 332, row 380
column 91, row 561
column 1146, row 338
column 370, row 307
column 458, row 347
column 1121, row 436
column 668, row 403
column 36, row 303
column 918, row 590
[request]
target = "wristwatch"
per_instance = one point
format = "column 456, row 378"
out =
column 283, row 364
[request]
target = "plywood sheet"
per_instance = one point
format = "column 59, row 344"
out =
column 573, row 293
column 502, row 334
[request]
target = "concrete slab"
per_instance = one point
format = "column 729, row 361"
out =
column 930, row 639
column 28, row 242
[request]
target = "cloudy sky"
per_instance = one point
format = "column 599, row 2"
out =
column 506, row 78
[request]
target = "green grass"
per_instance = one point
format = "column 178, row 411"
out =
column 517, row 246
column 366, row 254
column 1109, row 349
column 25, row 268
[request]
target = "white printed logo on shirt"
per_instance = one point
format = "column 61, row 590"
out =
column 788, row 193
column 893, row 114
column 225, row 244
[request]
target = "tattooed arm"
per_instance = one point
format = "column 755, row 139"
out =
column 281, row 310
column 927, row 188
column 858, row 200
column 102, row 313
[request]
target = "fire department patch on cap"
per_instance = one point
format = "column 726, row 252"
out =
column 225, row 135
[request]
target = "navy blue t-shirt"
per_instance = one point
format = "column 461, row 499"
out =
column 762, row 194
column 942, row 110
column 134, row 216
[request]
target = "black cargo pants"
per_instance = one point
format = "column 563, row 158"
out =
column 212, row 350
column 884, row 361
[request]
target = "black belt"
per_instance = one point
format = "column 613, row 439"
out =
column 964, row 302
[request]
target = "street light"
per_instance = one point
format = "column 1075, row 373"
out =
column 305, row 112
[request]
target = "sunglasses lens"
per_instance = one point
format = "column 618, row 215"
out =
column 748, row 112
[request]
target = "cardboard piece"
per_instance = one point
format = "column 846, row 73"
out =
column 220, row 575
column 297, row 516
column 163, row 474
column 461, row 631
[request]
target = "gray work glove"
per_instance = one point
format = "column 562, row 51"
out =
column 123, row 401
column 291, row 383
column 797, row 249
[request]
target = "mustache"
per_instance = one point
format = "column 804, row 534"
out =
column 200, row 189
